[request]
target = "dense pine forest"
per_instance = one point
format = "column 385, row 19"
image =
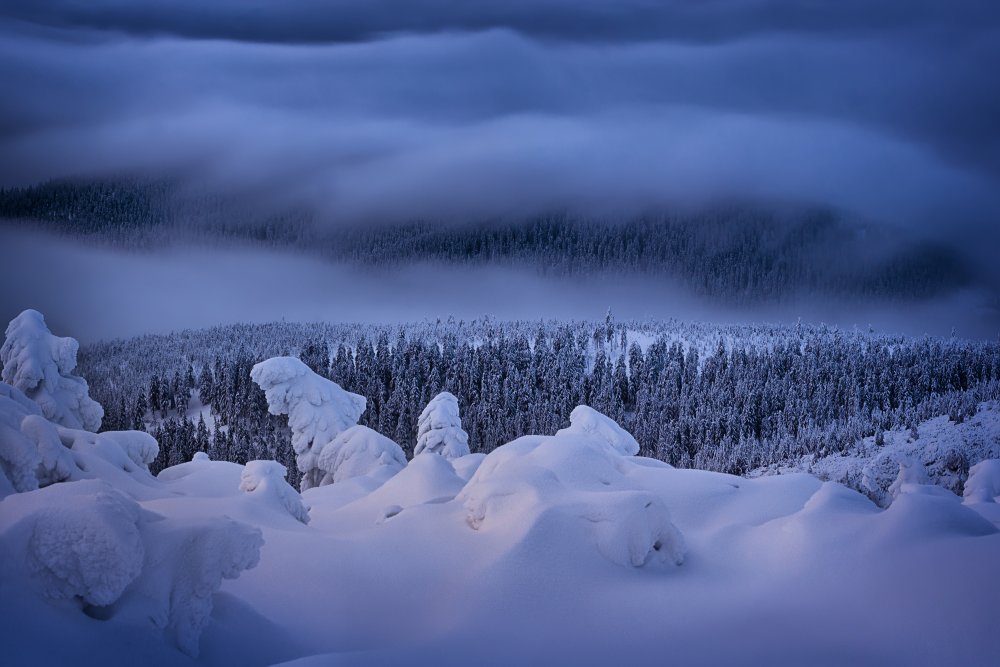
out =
column 736, row 253
column 719, row 398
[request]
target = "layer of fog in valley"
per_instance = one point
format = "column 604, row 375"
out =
column 100, row 294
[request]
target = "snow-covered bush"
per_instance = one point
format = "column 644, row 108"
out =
column 85, row 542
column 575, row 483
column 267, row 480
column 19, row 458
column 983, row 485
column 358, row 451
column 439, row 428
column 911, row 473
column 41, row 365
column 586, row 422
column 317, row 408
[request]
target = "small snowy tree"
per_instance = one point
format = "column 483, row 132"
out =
column 439, row 428
column 317, row 408
column 41, row 365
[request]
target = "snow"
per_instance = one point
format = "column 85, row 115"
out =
column 317, row 408
column 439, row 428
column 588, row 423
column 943, row 448
column 358, row 451
column 267, row 478
column 552, row 549
column 983, row 485
column 41, row 365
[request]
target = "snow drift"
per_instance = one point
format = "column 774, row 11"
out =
column 577, row 478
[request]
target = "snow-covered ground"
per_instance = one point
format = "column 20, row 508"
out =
column 553, row 549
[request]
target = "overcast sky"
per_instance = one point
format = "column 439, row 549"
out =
column 381, row 110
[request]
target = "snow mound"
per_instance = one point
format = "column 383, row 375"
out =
column 439, row 428
column 466, row 466
column 358, row 451
column 317, row 408
column 266, row 479
column 573, row 485
column 426, row 479
column 587, row 422
column 983, row 485
column 41, row 365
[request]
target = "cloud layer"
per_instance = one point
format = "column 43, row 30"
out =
column 375, row 111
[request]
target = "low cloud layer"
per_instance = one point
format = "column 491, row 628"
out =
column 381, row 111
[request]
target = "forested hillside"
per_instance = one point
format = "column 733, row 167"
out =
column 736, row 253
column 719, row 398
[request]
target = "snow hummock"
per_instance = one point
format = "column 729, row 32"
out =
column 589, row 423
column 439, row 428
column 41, row 365
column 267, row 478
column 575, row 483
column 317, row 408
column 358, row 451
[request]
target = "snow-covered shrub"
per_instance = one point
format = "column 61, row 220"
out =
column 575, row 483
column 358, row 451
column 19, row 458
column 983, row 485
column 317, row 408
column 877, row 476
column 588, row 422
column 41, row 365
column 439, row 428
column 187, row 559
column 266, row 479
column 911, row 473
column 84, row 542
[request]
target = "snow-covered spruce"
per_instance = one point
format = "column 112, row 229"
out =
column 267, row 479
column 317, row 408
column 41, row 365
column 359, row 451
column 439, row 428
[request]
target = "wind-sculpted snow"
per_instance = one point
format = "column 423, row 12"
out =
column 589, row 423
column 439, row 428
column 317, row 408
column 267, row 479
column 41, row 365
column 576, row 480
column 358, row 451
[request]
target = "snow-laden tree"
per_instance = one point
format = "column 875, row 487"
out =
column 318, row 409
column 41, row 365
column 439, row 428
column 359, row 451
